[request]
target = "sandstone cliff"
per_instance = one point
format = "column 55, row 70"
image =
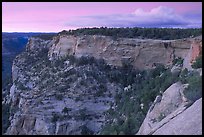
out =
column 194, row 51
column 50, row 99
column 141, row 53
column 42, row 88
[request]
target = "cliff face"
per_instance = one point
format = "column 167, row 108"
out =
column 141, row 53
column 187, row 123
column 194, row 51
column 196, row 48
column 50, row 98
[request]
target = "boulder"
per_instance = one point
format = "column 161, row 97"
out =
column 167, row 117
column 187, row 123
column 176, row 70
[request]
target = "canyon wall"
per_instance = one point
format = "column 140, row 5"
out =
column 141, row 53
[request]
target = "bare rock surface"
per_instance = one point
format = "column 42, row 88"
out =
column 172, row 116
column 188, row 122
column 141, row 53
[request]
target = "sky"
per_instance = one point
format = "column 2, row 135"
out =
column 58, row 16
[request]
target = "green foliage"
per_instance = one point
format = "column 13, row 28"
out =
column 82, row 114
column 161, row 116
column 47, row 36
column 59, row 96
column 115, row 76
column 157, row 71
column 152, row 33
column 13, row 110
column 194, row 90
column 84, row 60
column 183, row 76
column 71, row 58
column 70, row 72
column 145, row 86
column 6, row 82
column 21, row 86
column 198, row 63
column 109, row 130
column 55, row 118
column 178, row 61
column 83, row 82
column 86, row 131
column 101, row 90
column 58, row 63
column 168, row 79
column 5, row 117
column 62, row 88
column 101, row 64
column 66, row 110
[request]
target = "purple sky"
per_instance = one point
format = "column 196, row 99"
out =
column 58, row 16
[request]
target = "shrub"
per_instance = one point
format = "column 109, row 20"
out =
column 109, row 130
column 197, row 63
column 160, row 117
column 146, row 85
column 55, row 118
column 62, row 88
column 157, row 71
column 152, row 33
column 72, row 59
column 78, row 98
column 21, row 86
column 83, row 82
column 82, row 114
column 66, row 110
column 194, row 90
column 102, row 89
column 101, row 64
column 183, row 75
column 178, row 61
column 114, row 76
column 5, row 117
column 86, row 131
column 70, row 72
column 84, row 60
column 59, row 96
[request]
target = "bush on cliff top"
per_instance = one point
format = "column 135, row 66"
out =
column 136, row 32
column 197, row 63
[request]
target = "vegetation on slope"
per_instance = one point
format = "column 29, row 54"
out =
column 131, row 106
column 136, row 32
column 5, row 117
column 198, row 62
column 194, row 90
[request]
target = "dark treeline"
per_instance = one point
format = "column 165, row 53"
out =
column 150, row 33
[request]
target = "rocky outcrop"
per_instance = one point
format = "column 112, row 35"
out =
column 176, row 69
column 194, row 51
column 141, row 53
column 41, row 89
column 196, row 48
column 172, row 114
column 187, row 123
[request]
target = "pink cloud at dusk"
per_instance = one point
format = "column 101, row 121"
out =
column 156, row 17
column 58, row 16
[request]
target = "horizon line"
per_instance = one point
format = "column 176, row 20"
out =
column 28, row 32
column 98, row 27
